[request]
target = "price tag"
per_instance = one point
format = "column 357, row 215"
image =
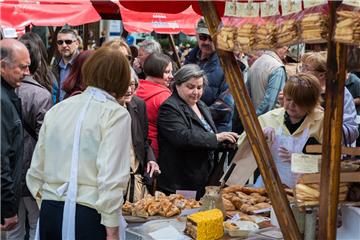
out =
column 290, row 6
column 230, row 9
column 355, row 3
column 269, row 8
column 305, row 163
column 314, row 3
column 249, row 9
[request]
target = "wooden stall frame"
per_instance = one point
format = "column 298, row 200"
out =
column 254, row 132
column 332, row 137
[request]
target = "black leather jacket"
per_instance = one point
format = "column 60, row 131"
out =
column 11, row 150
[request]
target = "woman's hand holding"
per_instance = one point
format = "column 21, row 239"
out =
column 112, row 233
column 269, row 133
column 227, row 136
column 284, row 154
column 152, row 167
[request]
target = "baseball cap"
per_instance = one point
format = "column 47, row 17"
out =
column 201, row 27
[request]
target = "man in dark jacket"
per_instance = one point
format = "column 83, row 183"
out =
column 15, row 61
column 216, row 95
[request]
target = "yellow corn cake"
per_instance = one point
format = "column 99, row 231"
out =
column 206, row 225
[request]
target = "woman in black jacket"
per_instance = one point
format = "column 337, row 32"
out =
column 187, row 135
column 143, row 165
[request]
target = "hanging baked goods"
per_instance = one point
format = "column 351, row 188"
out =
column 314, row 22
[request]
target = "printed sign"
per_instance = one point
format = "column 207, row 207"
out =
column 269, row 8
column 290, row 6
column 249, row 9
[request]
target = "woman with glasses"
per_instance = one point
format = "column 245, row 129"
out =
column 315, row 64
column 143, row 165
column 290, row 128
column 154, row 90
column 120, row 44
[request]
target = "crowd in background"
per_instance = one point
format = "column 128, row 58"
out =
column 122, row 114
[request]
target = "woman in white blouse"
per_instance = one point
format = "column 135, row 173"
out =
column 78, row 170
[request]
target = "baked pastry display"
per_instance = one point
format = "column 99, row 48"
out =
column 309, row 194
column 245, row 36
column 286, row 33
column 160, row 204
column 206, row 225
column 265, row 36
column 314, row 28
column 245, row 199
column 348, row 27
column 225, row 38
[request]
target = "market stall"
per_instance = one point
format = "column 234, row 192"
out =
column 333, row 117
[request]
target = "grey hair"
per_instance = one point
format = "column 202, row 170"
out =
column 7, row 54
column 185, row 73
column 150, row 46
column 134, row 77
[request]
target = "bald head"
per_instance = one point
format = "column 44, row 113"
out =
column 15, row 61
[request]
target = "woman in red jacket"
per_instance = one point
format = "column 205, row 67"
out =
column 154, row 90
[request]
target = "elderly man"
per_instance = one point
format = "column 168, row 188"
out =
column 216, row 95
column 146, row 48
column 15, row 61
column 67, row 44
column 266, row 79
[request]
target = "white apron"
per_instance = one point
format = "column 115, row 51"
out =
column 293, row 145
column 68, row 223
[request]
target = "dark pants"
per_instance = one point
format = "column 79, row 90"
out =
column 87, row 222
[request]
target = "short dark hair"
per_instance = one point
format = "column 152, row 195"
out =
column 98, row 71
column 68, row 31
column 35, row 55
column 155, row 64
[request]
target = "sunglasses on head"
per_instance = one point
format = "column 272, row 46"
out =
column 67, row 42
column 204, row 37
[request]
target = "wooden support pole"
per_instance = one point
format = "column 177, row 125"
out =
column 86, row 36
column 253, row 129
column 331, row 150
column 173, row 47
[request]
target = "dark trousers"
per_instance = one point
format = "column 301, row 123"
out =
column 87, row 222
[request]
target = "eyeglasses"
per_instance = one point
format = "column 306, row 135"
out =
column 67, row 42
column 204, row 37
column 129, row 57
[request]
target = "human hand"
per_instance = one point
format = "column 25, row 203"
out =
column 112, row 233
column 9, row 223
column 269, row 133
column 227, row 136
column 284, row 154
column 137, row 65
column 280, row 98
column 152, row 167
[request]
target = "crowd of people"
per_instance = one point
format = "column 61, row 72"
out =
column 95, row 129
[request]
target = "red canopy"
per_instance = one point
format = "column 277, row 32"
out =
column 18, row 14
column 184, row 21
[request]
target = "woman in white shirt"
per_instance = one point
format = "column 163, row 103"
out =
column 78, row 160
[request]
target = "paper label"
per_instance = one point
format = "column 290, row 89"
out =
column 230, row 9
column 187, row 194
column 305, row 163
column 290, row 6
column 247, row 9
column 314, row 3
column 269, row 8
column 355, row 3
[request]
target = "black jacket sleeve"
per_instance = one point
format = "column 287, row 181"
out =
column 172, row 125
